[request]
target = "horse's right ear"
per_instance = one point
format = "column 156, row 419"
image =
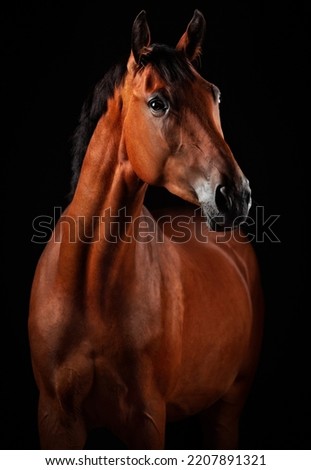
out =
column 140, row 35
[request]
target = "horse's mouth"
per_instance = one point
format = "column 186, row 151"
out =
column 220, row 222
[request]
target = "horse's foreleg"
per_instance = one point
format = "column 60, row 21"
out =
column 62, row 395
column 58, row 428
column 220, row 423
column 147, row 428
column 220, row 426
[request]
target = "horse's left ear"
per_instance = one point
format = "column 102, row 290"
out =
column 140, row 35
column 191, row 40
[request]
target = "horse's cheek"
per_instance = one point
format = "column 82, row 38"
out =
column 146, row 153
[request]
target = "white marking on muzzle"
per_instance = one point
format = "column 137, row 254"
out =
column 204, row 191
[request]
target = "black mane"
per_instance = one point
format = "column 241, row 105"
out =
column 171, row 65
column 94, row 106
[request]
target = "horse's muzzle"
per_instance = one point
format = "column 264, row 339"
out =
column 230, row 208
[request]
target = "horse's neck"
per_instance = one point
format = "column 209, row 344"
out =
column 108, row 199
column 107, row 181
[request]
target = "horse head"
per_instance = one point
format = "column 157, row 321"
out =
column 172, row 126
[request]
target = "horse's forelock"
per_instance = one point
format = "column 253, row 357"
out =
column 171, row 64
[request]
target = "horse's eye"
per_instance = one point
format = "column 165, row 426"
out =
column 158, row 106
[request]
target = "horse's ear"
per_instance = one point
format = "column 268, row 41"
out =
column 191, row 41
column 140, row 35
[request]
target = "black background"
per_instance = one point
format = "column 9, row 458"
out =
column 256, row 53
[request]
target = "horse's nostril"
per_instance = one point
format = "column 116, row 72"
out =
column 222, row 199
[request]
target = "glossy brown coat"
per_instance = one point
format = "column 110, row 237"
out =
column 134, row 319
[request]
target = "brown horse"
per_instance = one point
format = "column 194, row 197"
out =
column 136, row 321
